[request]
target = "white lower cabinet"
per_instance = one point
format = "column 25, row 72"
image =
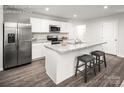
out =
column 38, row 50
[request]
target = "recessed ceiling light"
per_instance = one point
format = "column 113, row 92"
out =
column 105, row 7
column 47, row 9
column 74, row 15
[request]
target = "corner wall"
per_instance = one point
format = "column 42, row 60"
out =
column 94, row 29
column 121, row 36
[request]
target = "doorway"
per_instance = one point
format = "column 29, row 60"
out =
column 109, row 33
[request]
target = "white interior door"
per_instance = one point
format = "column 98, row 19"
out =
column 110, row 36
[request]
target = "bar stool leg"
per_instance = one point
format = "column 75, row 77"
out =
column 94, row 67
column 96, row 61
column 85, row 76
column 99, row 64
column 90, row 64
column 76, row 67
column 104, row 60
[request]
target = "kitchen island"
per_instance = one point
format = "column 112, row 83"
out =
column 60, row 59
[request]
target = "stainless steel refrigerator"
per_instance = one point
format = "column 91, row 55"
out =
column 17, row 44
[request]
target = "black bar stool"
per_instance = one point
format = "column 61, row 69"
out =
column 86, row 60
column 98, row 54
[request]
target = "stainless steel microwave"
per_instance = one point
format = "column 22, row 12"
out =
column 54, row 29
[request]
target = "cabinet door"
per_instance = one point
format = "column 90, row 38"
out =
column 36, row 51
column 45, row 25
column 40, row 25
column 64, row 27
column 109, row 36
column 36, row 25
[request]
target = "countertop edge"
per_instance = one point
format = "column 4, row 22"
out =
column 95, row 44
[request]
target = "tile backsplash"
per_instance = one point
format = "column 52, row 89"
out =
column 43, row 36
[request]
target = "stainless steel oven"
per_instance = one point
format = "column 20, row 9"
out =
column 54, row 39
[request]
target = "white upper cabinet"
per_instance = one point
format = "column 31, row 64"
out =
column 52, row 22
column 40, row 25
column 36, row 25
column 45, row 25
column 64, row 27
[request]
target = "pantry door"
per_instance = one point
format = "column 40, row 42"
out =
column 110, row 36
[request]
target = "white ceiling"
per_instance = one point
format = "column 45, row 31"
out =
column 84, row 12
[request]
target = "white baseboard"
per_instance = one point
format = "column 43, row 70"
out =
column 120, row 56
column 1, row 69
column 38, row 59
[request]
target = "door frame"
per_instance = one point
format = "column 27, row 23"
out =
column 115, row 22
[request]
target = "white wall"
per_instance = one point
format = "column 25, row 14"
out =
column 1, row 37
column 81, row 30
column 121, row 36
column 73, row 30
column 94, row 30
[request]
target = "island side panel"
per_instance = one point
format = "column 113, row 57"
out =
column 61, row 66
column 51, row 60
column 66, row 65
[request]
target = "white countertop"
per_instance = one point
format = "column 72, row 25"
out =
column 71, row 47
column 40, row 42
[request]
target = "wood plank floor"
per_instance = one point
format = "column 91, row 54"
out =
column 33, row 75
